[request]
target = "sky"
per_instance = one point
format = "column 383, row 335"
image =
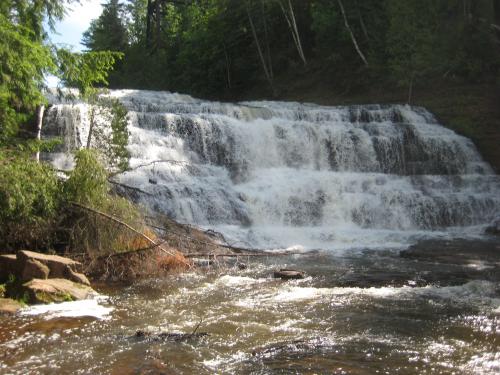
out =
column 69, row 31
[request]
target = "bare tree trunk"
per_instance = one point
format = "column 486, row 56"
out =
column 259, row 50
column 353, row 38
column 91, row 125
column 266, row 40
column 158, row 24
column 410, row 88
column 149, row 14
column 228, row 67
column 362, row 22
column 39, row 123
column 292, row 24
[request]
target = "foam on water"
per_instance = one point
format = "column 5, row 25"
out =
column 299, row 176
column 84, row 308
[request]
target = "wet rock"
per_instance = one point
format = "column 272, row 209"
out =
column 199, row 262
column 33, row 269
column 8, row 266
column 286, row 274
column 471, row 259
column 167, row 336
column 494, row 228
column 241, row 266
column 9, row 306
column 57, row 265
column 56, row 290
column 76, row 276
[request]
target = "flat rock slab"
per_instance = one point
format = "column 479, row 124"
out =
column 32, row 266
column 286, row 274
column 56, row 290
column 56, row 263
column 9, row 306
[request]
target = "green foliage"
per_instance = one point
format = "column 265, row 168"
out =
column 23, row 63
column 85, row 71
column 87, row 183
column 30, row 196
column 207, row 48
column 109, row 134
column 108, row 32
column 13, row 288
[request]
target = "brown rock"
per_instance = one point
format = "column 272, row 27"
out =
column 33, row 269
column 76, row 277
column 285, row 274
column 9, row 306
column 8, row 266
column 56, row 290
column 56, row 263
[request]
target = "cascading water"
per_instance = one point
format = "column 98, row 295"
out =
column 283, row 175
column 290, row 175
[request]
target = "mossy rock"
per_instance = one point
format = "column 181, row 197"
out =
column 56, row 290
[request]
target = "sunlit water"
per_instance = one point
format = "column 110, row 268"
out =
column 330, row 322
column 358, row 183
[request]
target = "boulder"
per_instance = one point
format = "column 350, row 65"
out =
column 57, row 265
column 9, row 306
column 286, row 274
column 33, row 269
column 76, row 277
column 494, row 228
column 56, row 290
column 8, row 266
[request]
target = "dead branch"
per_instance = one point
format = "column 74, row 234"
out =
column 128, row 187
column 116, row 220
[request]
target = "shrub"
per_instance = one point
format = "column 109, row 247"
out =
column 30, row 196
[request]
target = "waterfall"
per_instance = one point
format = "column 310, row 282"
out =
column 291, row 175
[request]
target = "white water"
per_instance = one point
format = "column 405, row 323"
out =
column 301, row 176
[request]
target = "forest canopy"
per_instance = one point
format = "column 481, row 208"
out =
column 217, row 47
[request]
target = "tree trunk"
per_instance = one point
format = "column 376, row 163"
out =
column 228, row 66
column 91, row 126
column 39, row 122
column 410, row 88
column 353, row 38
column 158, row 24
column 266, row 40
column 292, row 24
column 259, row 50
column 149, row 15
